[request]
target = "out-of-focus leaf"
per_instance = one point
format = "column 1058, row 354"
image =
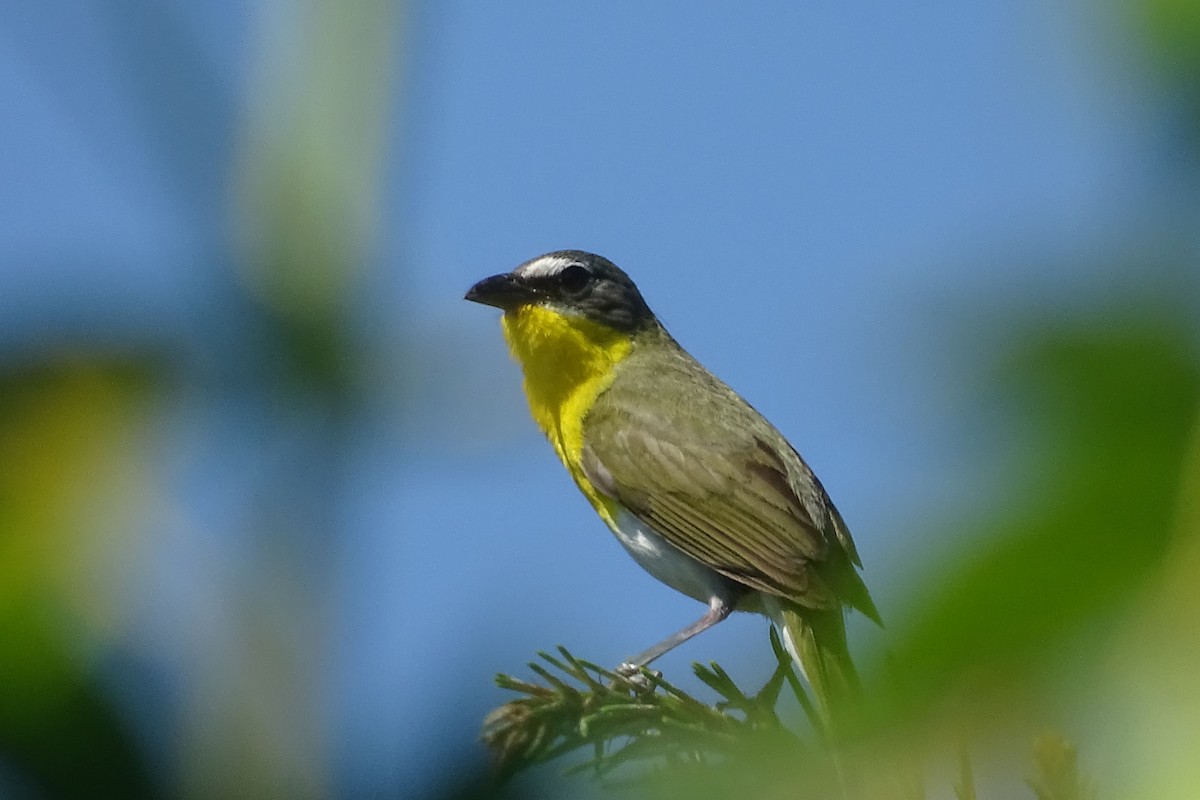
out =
column 1171, row 36
column 1056, row 770
column 1172, row 33
column 309, row 175
column 1151, row 687
column 1090, row 518
column 73, row 480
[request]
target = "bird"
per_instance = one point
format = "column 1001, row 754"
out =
column 702, row 491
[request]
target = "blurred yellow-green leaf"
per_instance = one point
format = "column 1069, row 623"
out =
column 1086, row 522
column 75, row 490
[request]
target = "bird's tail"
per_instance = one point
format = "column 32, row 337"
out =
column 816, row 641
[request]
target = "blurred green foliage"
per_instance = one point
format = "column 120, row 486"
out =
column 1088, row 518
column 1170, row 31
column 81, row 495
column 74, row 481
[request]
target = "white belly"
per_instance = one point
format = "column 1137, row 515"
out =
column 671, row 566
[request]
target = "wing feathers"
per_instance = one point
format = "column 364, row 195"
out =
column 717, row 482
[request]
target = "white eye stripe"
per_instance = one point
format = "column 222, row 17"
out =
column 544, row 267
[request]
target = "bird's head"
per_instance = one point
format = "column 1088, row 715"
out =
column 571, row 283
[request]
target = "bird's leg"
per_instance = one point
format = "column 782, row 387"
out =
column 718, row 609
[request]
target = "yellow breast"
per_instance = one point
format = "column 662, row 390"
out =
column 568, row 361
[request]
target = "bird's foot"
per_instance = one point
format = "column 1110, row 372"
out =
column 639, row 679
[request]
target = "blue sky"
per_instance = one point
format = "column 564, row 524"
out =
column 823, row 201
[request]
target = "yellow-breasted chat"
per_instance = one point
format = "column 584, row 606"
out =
column 699, row 488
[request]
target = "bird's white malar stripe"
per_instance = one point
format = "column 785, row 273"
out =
column 543, row 267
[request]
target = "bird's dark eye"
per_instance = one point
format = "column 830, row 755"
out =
column 574, row 277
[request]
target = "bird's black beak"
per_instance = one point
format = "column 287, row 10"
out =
column 502, row 291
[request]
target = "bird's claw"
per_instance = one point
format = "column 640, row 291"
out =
column 636, row 677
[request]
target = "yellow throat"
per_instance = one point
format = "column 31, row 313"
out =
column 568, row 361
